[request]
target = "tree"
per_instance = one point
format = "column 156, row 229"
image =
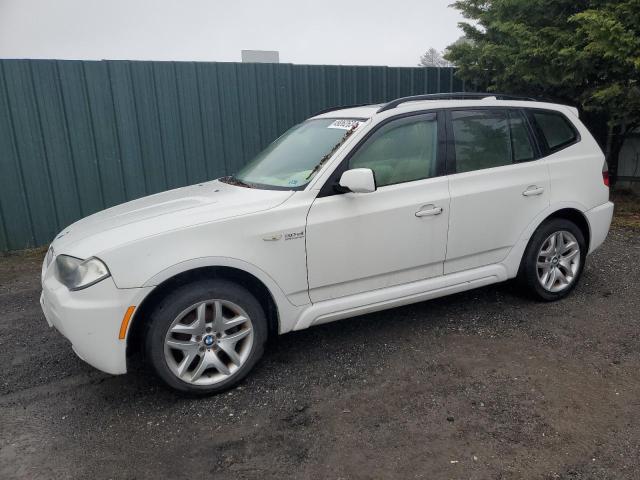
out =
column 583, row 52
column 433, row 58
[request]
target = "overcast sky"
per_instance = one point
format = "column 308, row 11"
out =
column 356, row 32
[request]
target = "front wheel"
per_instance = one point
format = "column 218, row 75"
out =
column 554, row 260
column 206, row 336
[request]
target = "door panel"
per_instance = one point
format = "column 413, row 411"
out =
column 489, row 211
column 493, row 199
column 362, row 242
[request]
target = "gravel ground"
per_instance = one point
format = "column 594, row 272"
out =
column 480, row 385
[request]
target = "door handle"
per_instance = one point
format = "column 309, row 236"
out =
column 429, row 211
column 533, row 190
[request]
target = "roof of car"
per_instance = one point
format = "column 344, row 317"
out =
column 419, row 102
column 365, row 111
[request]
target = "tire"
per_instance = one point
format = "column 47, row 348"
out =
column 194, row 332
column 568, row 266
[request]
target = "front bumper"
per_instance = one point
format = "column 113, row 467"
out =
column 90, row 319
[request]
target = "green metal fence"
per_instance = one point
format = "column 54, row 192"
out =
column 77, row 137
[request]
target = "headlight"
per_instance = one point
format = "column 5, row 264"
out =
column 76, row 274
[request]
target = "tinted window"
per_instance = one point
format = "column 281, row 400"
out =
column 556, row 129
column 481, row 139
column 520, row 141
column 401, row 151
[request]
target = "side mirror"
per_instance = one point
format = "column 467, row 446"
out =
column 358, row 180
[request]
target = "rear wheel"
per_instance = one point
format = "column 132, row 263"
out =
column 554, row 260
column 206, row 336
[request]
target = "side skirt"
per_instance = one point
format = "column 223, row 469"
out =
column 382, row 299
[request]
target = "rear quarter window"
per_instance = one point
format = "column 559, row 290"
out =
column 556, row 130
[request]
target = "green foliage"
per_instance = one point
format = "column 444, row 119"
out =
column 586, row 52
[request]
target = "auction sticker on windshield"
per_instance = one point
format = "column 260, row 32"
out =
column 345, row 124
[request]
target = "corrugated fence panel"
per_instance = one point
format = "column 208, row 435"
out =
column 169, row 121
column 153, row 157
column 77, row 137
column 249, row 107
column 103, row 128
column 32, row 154
column 190, row 123
column 56, row 141
column 15, row 218
column 75, row 103
column 126, row 124
column 211, row 119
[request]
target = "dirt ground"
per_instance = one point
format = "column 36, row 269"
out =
column 480, row 385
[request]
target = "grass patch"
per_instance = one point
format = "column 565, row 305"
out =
column 38, row 252
column 627, row 209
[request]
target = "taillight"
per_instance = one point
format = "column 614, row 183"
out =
column 605, row 174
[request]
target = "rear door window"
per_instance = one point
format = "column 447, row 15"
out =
column 488, row 138
column 481, row 139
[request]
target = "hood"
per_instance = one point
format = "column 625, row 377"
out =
column 163, row 212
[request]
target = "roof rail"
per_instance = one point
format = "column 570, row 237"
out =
column 452, row 96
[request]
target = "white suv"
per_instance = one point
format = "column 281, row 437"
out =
column 352, row 211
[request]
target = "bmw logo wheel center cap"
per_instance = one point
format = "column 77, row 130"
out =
column 208, row 340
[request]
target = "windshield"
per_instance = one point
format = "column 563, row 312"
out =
column 294, row 158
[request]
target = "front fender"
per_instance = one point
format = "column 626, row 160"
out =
column 287, row 311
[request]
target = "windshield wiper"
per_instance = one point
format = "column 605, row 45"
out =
column 231, row 180
column 332, row 151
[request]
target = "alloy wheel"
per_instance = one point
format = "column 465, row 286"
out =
column 558, row 261
column 208, row 342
